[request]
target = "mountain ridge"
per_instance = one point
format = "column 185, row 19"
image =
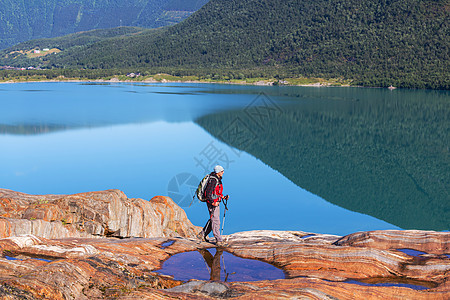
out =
column 21, row 21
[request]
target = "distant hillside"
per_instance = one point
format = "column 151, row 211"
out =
column 24, row 20
column 19, row 55
column 375, row 42
column 83, row 38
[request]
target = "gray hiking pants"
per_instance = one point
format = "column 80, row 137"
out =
column 213, row 223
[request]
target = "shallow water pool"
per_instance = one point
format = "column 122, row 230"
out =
column 218, row 265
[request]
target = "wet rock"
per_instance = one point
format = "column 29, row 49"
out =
column 106, row 213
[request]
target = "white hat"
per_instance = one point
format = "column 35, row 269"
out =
column 218, row 169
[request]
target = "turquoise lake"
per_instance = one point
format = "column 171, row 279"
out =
column 322, row 160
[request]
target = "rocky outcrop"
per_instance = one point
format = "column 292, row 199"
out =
column 96, row 214
column 37, row 268
column 48, row 251
column 427, row 241
column 315, row 267
column 329, row 258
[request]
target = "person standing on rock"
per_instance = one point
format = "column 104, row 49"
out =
column 213, row 195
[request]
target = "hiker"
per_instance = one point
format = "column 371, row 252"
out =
column 213, row 195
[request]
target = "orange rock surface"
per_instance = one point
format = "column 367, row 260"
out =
column 316, row 266
column 96, row 214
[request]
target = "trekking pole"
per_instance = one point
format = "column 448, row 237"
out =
column 192, row 201
column 225, row 202
column 225, row 268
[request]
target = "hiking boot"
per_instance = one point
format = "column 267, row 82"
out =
column 202, row 238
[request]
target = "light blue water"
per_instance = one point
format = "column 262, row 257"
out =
column 64, row 138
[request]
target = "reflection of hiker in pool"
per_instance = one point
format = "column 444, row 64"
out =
column 213, row 262
column 213, row 195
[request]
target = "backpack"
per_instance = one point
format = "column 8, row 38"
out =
column 201, row 188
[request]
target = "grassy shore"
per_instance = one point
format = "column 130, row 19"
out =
column 162, row 78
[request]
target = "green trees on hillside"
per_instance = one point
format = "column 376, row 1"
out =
column 376, row 42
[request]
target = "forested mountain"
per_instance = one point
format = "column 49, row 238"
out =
column 375, row 42
column 22, row 20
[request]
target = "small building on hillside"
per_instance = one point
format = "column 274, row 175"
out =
column 132, row 75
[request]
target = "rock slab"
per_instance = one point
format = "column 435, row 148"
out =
column 96, row 214
column 316, row 268
column 103, row 245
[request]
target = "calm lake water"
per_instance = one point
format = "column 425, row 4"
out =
column 324, row 160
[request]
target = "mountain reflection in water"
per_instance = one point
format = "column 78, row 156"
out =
column 386, row 155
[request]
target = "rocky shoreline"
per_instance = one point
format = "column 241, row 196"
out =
column 103, row 245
